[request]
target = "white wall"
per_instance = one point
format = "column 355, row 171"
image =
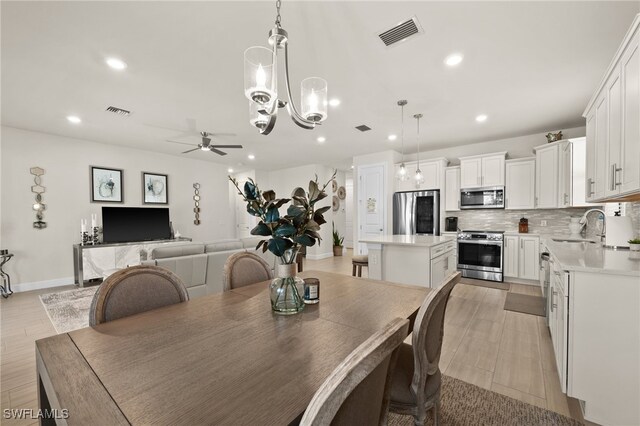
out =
column 46, row 255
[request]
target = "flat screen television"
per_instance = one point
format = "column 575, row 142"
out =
column 127, row 224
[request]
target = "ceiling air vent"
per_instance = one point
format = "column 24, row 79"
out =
column 363, row 127
column 401, row 32
column 118, row 111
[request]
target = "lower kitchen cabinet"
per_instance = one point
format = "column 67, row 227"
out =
column 522, row 257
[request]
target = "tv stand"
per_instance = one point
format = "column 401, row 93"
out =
column 91, row 261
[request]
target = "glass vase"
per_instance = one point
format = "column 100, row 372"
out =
column 287, row 289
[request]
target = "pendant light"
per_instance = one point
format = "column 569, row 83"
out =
column 261, row 86
column 419, row 177
column 402, row 174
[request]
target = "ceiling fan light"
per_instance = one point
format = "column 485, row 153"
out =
column 314, row 99
column 259, row 75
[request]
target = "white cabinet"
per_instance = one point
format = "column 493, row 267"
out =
column 444, row 265
column 452, row 189
column 522, row 257
column 613, row 126
column 520, row 184
column 565, row 172
column 432, row 170
column 482, row 170
column 409, row 184
column 558, row 320
column 547, row 176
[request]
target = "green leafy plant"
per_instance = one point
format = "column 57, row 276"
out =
column 298, row 227
column 634, row 241
column 337, row 239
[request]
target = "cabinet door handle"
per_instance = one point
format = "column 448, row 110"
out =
column 506, row 203
column 566, row 196
column 521, row 244
column 615, row 175
column 590, row 183
column 612, row 184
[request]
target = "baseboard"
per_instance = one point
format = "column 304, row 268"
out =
column 319, row 256
column 38, row 285
column 521, row 281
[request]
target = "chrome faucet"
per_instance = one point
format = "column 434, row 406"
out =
column 583, row 222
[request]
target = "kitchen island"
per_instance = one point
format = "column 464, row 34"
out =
column 422, row 260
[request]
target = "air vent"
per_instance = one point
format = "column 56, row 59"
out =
column 363, row 127
column 401, row 32
column 119, row 111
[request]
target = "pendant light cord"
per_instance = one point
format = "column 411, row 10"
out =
column 278, row 18
column 402, row 131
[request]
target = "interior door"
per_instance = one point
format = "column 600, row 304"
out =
column 348, row 207
column 371, row 203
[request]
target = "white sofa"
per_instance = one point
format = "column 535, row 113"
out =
column 200, row 265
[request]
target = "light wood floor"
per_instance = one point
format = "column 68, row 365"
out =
column 506, row 352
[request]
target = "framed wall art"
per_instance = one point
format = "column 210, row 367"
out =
column 106, row 185
column 155, row 188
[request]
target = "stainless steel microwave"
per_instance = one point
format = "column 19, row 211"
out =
column 482, row 198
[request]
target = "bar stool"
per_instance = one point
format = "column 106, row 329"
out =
column 359, row 262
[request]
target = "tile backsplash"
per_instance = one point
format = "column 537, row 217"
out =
column 633, row 210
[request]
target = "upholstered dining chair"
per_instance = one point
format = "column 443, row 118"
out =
column 415, row 387
column 357, row 392
column 134, row 290
column 245, row 268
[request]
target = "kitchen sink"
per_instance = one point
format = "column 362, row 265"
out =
column 572, row 240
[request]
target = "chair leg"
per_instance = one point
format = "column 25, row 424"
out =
column 435, row 411
column 359, row 271
column 354, row 271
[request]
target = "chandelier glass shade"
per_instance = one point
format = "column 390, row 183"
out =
column 402, row 174
column 419, row 177
column 261, row 86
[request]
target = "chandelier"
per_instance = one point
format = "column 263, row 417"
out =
column 402, row 171
column 261, row 86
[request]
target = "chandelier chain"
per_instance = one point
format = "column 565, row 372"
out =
column 278, row 17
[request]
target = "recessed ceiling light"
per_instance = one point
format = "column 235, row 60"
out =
column 481, row 118
column 453, row 59
column 116, row 64
column 392, row 137
column 334, row 102
column 321, row 139
column 230, row 170
column 74, row 119
column 251, row 157
column 353, row 167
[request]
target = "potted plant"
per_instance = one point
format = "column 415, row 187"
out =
column 337, row 241
column 286, row 234
column 634, row 244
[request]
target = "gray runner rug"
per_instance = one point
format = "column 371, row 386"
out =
column 525, row 304
column 69, row 310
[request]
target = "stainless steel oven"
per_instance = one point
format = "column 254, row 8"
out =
column 482, row 198
column 480, row 254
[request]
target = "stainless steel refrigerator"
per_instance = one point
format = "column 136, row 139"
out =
column 416, row 213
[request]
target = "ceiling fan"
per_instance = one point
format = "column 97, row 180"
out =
column 206, row 145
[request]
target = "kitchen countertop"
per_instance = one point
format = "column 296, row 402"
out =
column 593, row 257
column 408, row 240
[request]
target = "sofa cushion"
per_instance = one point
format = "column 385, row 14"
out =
column 222, row 246
column 215, row 269
column 177, row 250
column 192, row 270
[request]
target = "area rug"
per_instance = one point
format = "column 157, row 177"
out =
column 467, row 404
column 525, row 304
column 69, row 310
column 488, row 284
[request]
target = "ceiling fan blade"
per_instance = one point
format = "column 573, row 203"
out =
column 226, row 146
column 181, row 143
column 217, row 151
column 191, row 150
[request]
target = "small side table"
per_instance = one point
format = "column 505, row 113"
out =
column 5, row 287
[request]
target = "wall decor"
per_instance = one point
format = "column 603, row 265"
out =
column 39, row 206
column 196, row 200
column 342, row 193
column 553, row 137
column 335, row 203
column 155, row 188
column 106, row 185
column 334, row 185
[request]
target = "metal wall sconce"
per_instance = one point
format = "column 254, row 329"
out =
column 196, row 200
column 39, row 206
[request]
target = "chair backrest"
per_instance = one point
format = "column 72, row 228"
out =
column 428, row 332
column 134, row 290
column 357, row 392
column 244, row 268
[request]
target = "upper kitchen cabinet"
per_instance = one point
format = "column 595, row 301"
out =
column 613, row 126
column 432, row 170
column 482, row 170
column 520, row 184
column 452, row 189
column 547, row 176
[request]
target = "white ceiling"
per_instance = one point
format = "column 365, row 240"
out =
column 530, row 66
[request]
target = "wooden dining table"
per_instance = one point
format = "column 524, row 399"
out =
column 218, row 359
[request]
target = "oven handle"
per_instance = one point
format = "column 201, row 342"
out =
column 483, row 242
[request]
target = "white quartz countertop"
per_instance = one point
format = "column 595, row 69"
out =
column 408, row 240
column 593, row 257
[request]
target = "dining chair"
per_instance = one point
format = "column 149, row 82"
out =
column 357, row 392
column 245, row 268
column 416, row 380
column 134, row 290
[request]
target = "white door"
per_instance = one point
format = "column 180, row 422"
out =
column 431, row 173
column 371, row 203
column 470, row 173
column 348, row 208
column 492, row 170
column 529, row 261
column 520, row 184
column 630, row 161
column 601, row 132
column 511, row 255
column 452, row 189
column 614, row 139
column 547, row 177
